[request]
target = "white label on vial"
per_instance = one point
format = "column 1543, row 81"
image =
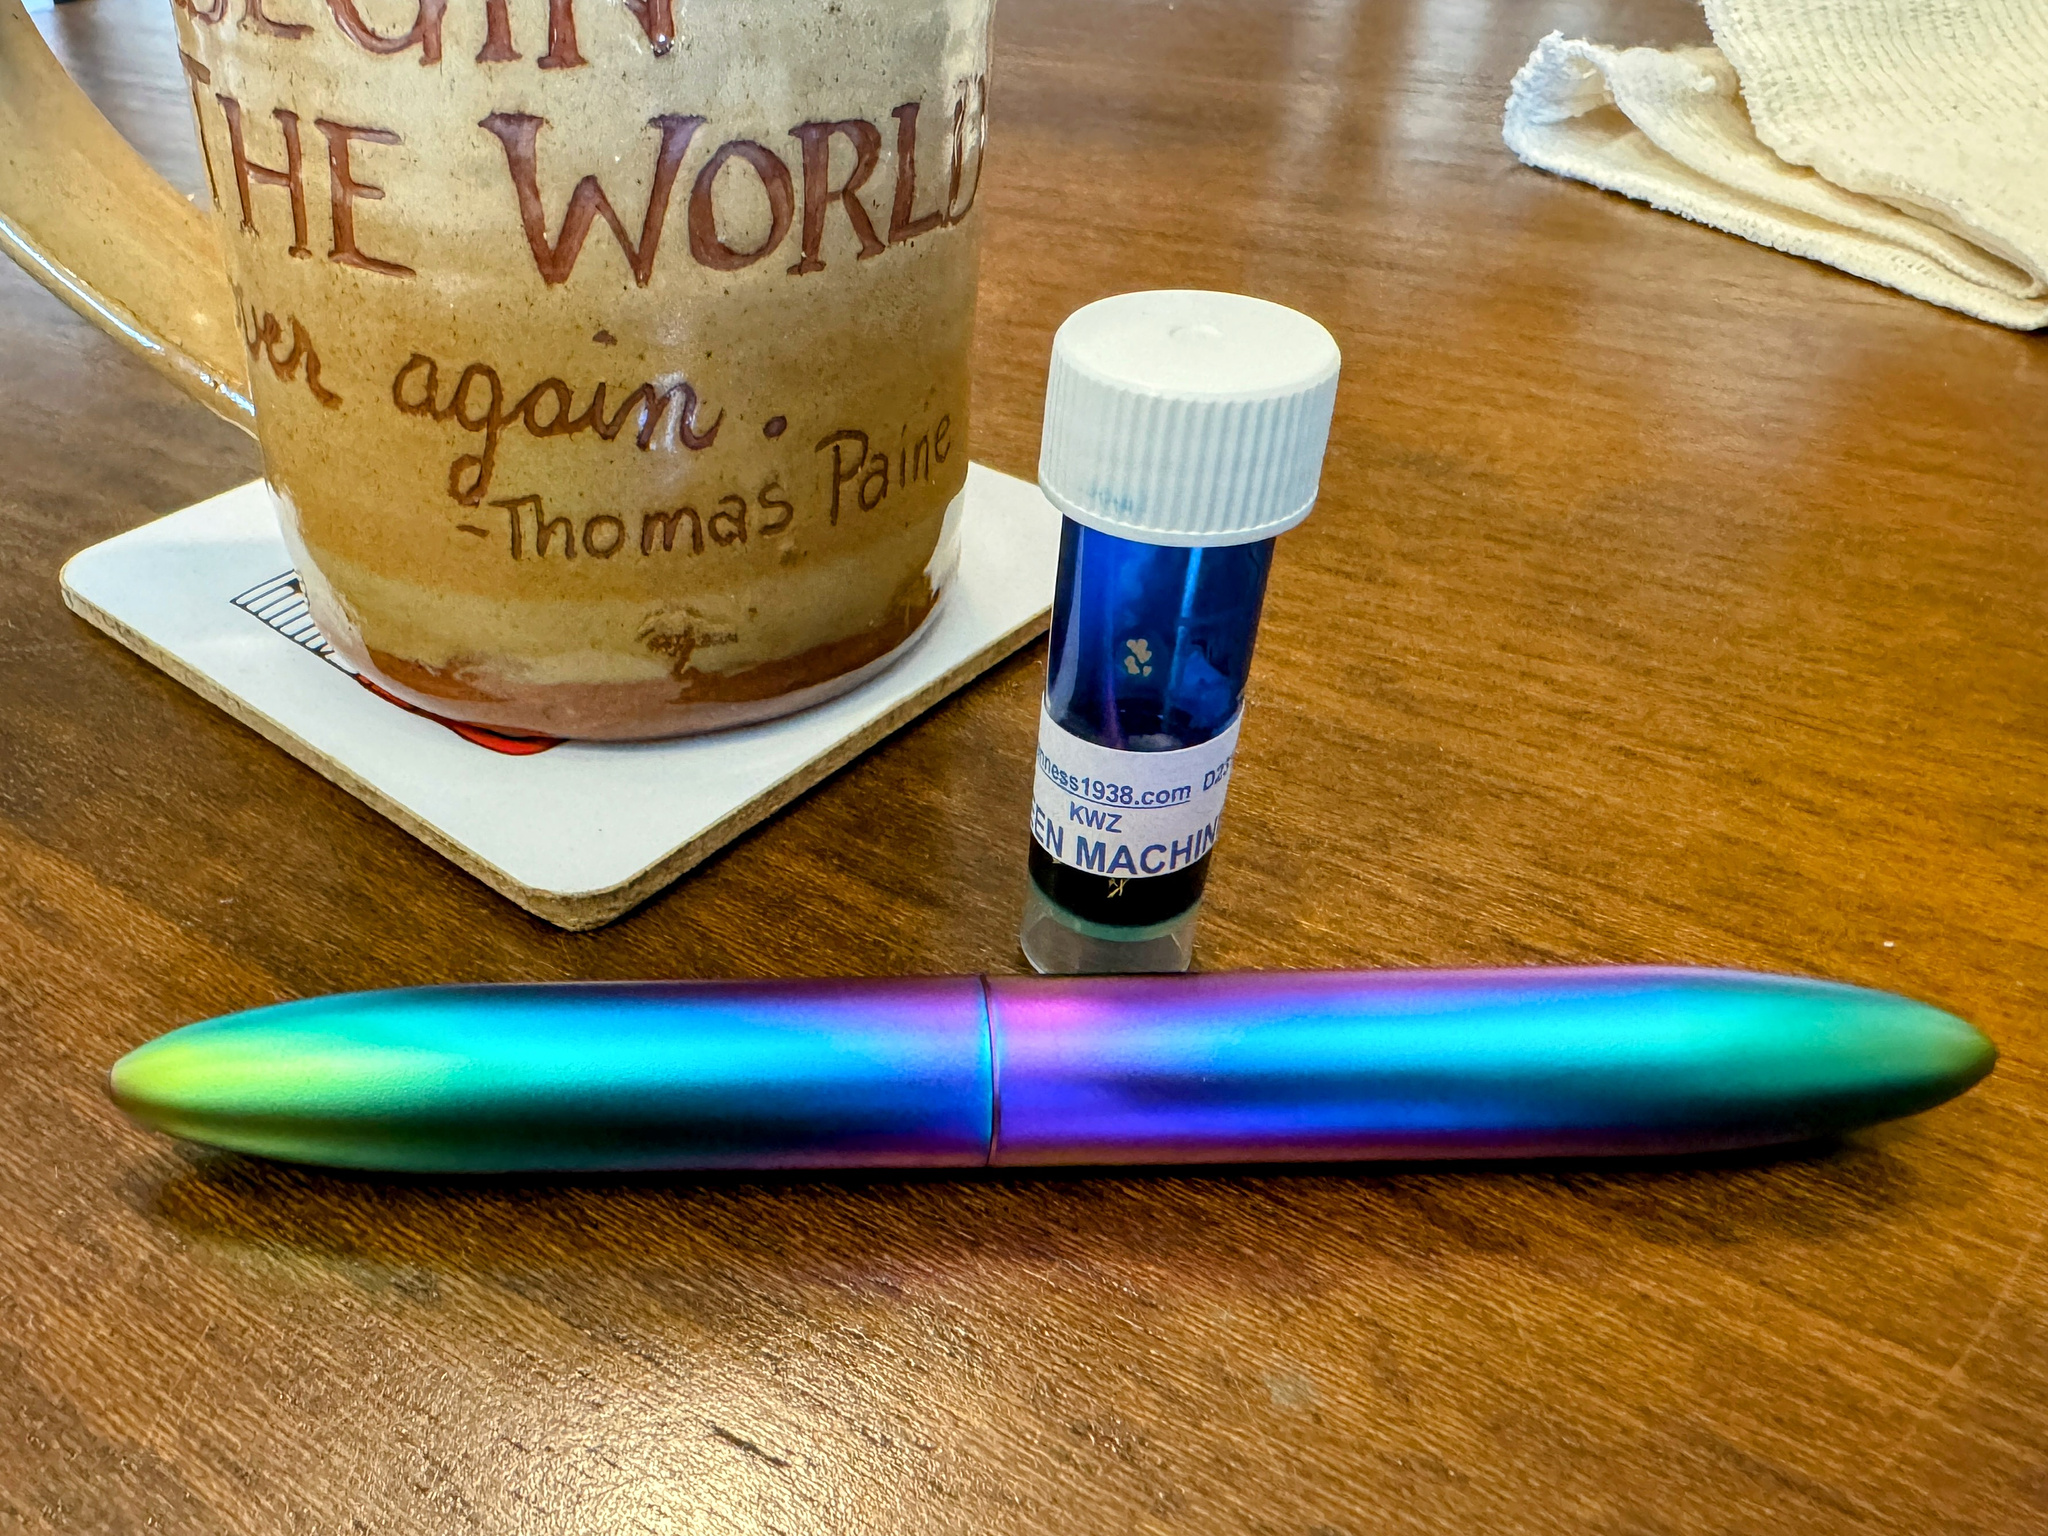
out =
column 1128, row 814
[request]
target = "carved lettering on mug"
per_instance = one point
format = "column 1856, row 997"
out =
column 745, row 168
column 858, row 465
column 816, row 139
column 345, row 186
column 656, row 19
column 424, row 33
column 249, row 173
column 261, row 335
column 978, row 86
column 664, row 524
column 197, row 75
column 532, row 533
column 902, row 225
column 705, row 243
column 256, row 19
column 519, row 134
column 562, row 50
column 344, row 189
column 477, row 402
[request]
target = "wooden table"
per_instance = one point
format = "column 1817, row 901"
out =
column 1670, row 599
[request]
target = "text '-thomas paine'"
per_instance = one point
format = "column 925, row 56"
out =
column 861, row 478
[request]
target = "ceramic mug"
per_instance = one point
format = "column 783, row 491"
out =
column 608, row 357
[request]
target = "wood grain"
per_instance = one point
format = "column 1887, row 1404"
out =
column 1670, row 599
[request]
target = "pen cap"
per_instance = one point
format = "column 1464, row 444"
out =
column 1185, row 417
column 577, row 1076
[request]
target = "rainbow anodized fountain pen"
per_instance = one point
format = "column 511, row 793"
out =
column 939, row 1072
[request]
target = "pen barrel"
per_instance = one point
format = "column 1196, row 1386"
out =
column 1313, row 1066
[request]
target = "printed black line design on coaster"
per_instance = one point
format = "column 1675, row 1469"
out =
column 279, row 604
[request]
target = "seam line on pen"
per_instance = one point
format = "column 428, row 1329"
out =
column 995, row 1073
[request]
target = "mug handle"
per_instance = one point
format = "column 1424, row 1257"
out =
column 85, row 216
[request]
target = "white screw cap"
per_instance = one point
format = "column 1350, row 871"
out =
column 1185, row 417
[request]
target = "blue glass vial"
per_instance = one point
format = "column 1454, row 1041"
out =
column 1184, row 431
column 1149, row 651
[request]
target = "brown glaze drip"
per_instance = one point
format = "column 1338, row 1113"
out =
column 690, row 701
column 436, row 685
column 771, row 679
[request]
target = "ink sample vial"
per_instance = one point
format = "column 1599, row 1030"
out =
column 1184, row 431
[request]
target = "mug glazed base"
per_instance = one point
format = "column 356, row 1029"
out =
column 649, row 711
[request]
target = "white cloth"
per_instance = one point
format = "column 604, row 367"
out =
column 1905, row 141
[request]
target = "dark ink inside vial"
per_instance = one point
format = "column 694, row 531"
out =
column 1150, row 647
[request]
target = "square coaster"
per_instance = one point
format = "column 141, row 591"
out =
column 209, row 595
